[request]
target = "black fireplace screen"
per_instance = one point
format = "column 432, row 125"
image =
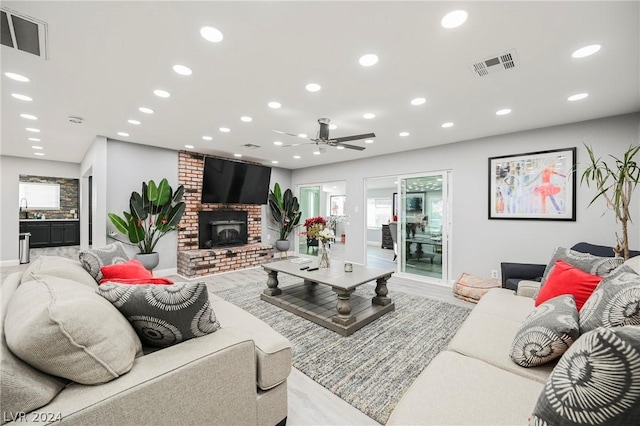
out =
column 222, row 228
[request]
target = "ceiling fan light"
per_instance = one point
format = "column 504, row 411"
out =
column 340, row 147
column 368, row 141
column 302, row 135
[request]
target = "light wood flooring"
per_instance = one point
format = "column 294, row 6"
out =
column 309, row 402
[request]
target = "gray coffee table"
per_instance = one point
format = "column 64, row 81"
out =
column 331, row 304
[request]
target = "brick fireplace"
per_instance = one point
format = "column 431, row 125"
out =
column 238, row 225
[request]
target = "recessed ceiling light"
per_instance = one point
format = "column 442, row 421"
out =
column 368, row 141
column 297, row 157
column 586, row 51
column 368, row 60
column 146, row 110
column 246, row 119
column 161, row 93
column 16, row 77
column 39, row 153
column 454, row 19
column 340, row 147
column 274, row 162
column 224, row 129
column 504, row 111
column 34, row 130
column 22, row 97
column 403, row 134
column 189, row 146
column 316, row 152
column 333, row 126
column 418, row 101
column 274, row 104
column 577, row 97
column 207, row 138
column 211, row 34
column 302, row 135
column 313, row 87
column 36, row 147
column 277, row 143
column 369, row 115
column 29, row 116
column 34, row 139
column 123, row 134
column 447, row 124
column 182, row 70
column 237, row 155
column 136, row 122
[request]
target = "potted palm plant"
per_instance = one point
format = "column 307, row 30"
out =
column 285, row 215
column 615, row 183
column 153, row 213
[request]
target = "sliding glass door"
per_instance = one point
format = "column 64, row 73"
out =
column 423, row 215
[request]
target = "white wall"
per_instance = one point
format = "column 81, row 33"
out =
column 128, row 165
column 94, row 164
column 480, row 244
column 10, row 170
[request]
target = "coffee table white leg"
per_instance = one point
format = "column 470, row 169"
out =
column 272, row 284
column 343, row 307
column 381, row 292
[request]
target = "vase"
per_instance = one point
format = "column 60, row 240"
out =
column 282, row 245
column 148, row 260
column 324, row 252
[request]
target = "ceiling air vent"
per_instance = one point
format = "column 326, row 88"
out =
column 251, row 146
column 23, row 33
column 493, row 64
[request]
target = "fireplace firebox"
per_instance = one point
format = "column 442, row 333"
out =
column 220, row 228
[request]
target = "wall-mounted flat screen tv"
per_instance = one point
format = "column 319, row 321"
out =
column 233, row 182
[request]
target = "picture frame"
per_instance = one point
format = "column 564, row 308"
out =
column 533, row 186
column 337, row 204
column 414, row 204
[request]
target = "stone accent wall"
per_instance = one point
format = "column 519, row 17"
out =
column 195, row 262
column 69, row 198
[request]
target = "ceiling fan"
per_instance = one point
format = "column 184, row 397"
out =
column 323, row 137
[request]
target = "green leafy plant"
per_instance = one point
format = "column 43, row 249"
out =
column 615, row 183
column 152, row 215
column 285, row 211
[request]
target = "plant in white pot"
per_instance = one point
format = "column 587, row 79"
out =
column 615, row 183
column 285, row 215
column 153, row 213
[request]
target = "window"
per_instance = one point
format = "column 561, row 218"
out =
column 40, row 196
column 378, row 212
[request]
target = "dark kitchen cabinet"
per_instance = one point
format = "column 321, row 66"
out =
column 46, row 233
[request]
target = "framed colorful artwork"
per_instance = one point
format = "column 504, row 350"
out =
column 533, row 186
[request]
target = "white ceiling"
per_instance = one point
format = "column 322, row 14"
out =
column 106, row 58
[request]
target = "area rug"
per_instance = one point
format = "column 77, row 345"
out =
column 372, row 368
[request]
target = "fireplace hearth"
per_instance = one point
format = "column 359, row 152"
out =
column 220, row 228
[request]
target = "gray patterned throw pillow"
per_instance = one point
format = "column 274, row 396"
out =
column 597, row 382
column 164, row 315
column 93, row 259
column 595, row 265
column 546, row 333
column 614, row 303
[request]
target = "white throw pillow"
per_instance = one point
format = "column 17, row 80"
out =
column 634, row 263
column 65, row 329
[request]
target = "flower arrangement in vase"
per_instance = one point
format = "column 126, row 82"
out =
column 318, row 230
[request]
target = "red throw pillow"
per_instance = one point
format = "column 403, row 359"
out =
column 567, row 279
column 128, row 270
column 148, row 280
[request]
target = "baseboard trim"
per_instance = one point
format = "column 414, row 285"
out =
column 4, row 263
column 165, row 272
